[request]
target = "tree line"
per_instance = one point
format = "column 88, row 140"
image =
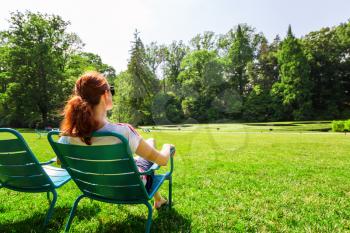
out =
column 239, row 75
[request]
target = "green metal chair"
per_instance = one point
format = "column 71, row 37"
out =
column 21, row 171
column 108, row 173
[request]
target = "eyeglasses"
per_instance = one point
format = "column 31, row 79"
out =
column 111, row 89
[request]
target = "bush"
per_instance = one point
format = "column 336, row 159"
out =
column 347, row 126
column 341, row 126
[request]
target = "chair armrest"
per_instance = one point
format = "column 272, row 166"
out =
column 156, row 166
column 150, row 170
column 172, row 152
column 50, row 161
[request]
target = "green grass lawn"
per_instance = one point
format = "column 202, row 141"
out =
column 237, row 178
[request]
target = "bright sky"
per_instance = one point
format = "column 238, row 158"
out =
column 106, row 27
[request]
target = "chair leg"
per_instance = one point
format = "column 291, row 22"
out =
column 72, row 212
column 149, row 218
column 48, row 197
column 170, row 191
column 52, row 205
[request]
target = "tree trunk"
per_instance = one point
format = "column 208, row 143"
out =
column 44, row 118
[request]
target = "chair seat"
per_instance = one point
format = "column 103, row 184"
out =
column 58, row 176
column 157, row 182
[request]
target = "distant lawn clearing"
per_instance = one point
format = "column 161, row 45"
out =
column 223, row 182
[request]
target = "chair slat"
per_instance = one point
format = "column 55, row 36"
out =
column 101, row 166
column 20, row 170
column 120, row 179
column 15, row 158
column 105, row 171
column 57, row 175
column 11, row 145
column 122, row 193
column 108, row 152
column 25, row 181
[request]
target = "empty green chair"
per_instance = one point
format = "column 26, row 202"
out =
column 21, row 171
column 108, row 173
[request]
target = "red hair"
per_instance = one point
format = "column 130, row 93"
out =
column 78, row 113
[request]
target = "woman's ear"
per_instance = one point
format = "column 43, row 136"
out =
column 104, row 97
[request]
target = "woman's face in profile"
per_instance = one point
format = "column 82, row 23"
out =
column 108, row 100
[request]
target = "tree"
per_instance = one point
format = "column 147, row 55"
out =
column 201, row 81
column 239, row 54
column 155, row 55
column 262, row 74
column 294, row 86
column 81, row 62
column 206, row 41
column 175, row 53
column 139, row 85
column 166, row 109
column 328, row 55
column 123, row 110
column 257, row 107
column 38, row 47
column 266, row 64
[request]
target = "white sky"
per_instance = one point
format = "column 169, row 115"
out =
column 106, row 27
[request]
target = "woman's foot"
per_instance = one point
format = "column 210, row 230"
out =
column 160, row 203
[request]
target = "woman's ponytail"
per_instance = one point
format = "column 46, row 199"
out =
column 79, row 120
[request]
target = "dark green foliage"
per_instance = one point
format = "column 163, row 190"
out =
column 166, row 109
column 294, row 86
column 257, row 107
column 328, row 56
column 201, row 82
column 39, row 63
column 239, row 55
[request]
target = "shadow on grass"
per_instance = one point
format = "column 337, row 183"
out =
column 165, row 221
column 321, row 129
column 270, row 124
column 175, row 126
column 56, row 224
column 313, row 122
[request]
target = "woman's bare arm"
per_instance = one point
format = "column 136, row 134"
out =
column 148, row 152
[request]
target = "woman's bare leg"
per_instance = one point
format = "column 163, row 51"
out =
column 158, row 199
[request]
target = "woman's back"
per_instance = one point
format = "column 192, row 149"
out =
column 123, row 129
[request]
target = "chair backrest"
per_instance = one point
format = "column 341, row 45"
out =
column 102, row 171
column 19, row 169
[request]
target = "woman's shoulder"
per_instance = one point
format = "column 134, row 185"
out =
column 64, row 140
column 122, row 128
column 125, row 130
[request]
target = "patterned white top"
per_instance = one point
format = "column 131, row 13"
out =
column 125, row 130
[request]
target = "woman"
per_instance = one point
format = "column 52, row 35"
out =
column 86, row 112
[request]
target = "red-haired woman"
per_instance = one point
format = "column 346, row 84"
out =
column 86, row 112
